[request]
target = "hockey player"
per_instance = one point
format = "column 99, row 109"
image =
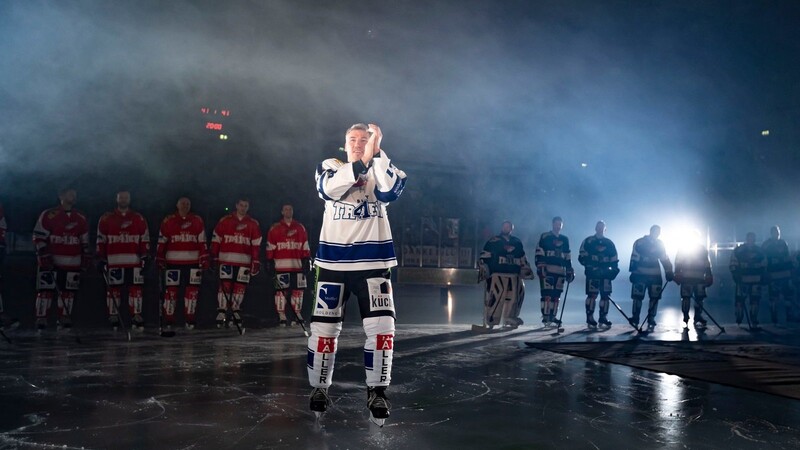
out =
column 748, row 267
column 354, row 256
column 182, row 255
column 598, row 255
column 235, row 248
column 61, row 237
column 554, row 266
column 5, row 319
column 503, row 265
column 123, row 250
column 288, row 257
column 648, row 252
column 693, row 275
column 779, row 274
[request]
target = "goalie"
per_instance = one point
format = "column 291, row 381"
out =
column 503, row 266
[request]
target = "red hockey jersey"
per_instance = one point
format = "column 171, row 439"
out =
column 64, row 235
column 182, row 240
column 288, row 246
column 235, row 241
column 123, row 239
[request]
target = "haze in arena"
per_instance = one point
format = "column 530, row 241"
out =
column 678, row 113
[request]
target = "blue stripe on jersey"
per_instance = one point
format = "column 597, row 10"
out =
column 356, row 252
column 393, row 193
column 321, row 180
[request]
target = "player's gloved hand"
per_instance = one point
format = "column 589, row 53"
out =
column 669, row 275
column 45, row 261
column 526, row 273
column 275, row 282
column 161, row 263
column 678, row 278
column 306, row 265
column 614, row 273
column 102, row 266
column 255, row 267
column 708, row 280
column 204, row 262
column 570, row 275
column 144, row 262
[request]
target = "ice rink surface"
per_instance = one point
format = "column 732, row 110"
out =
column 451, row 388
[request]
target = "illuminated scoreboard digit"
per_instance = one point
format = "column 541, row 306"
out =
column 214, row 119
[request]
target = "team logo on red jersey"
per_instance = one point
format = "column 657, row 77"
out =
column 71, row 225
column 241, row 226
column 186, row 225
column 291, row 233
column 125, row 224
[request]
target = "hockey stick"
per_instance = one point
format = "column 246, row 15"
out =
column 703, row 309
column 117, row 302
column 162, row 293
column 747, row 314
column 563, row 306
column 228, row 297
column 67, row 313
column 302, row 325
column 630, row 321
column 639, row 328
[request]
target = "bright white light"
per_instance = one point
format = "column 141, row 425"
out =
column 765, row 133
column 449, row 307
column 584, row 164
column 680, row 237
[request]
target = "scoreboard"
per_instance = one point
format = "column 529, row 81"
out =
column 214, row 120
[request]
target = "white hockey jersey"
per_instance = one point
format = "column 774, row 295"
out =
column 355, row 231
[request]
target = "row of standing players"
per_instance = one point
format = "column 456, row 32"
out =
column 503, row 265
column 61, row 237
column 355, row 254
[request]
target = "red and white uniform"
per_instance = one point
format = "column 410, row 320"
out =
column 61, row 238
column 236, row 241
column 287, row 246
column 123, row 241
column 235, row 245
column 182, row 240
column 183, row 251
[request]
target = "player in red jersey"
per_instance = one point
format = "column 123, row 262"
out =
column 123, row 247
column 182, row 255
column 235, row 248
column 289, row 257
column 61, row 237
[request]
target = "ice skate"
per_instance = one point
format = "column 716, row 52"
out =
column 319, row 401
column 138, row 323
column 603, row 322
column 221, row 320
column 700, row 322
column 591, row 323
column 378, row 405
column 190, row 326
column 114, row 321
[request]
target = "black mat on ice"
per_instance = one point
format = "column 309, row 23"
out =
column 763, row 367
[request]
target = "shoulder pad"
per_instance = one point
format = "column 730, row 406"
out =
column 332, row 164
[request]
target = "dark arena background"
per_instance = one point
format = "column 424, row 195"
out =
column 678, row 113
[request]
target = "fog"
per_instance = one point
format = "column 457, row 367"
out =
column 634, row 112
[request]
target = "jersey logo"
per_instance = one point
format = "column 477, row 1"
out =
column 125, row 224
column 71, row 225
column 291, row 233
column 329, row 300
column 186, row 225
column 364, row 210
column 241, row 226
